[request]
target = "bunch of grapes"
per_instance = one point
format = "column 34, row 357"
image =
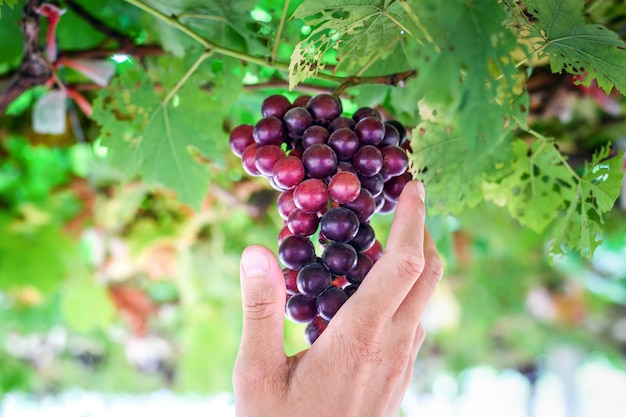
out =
column 333, row 173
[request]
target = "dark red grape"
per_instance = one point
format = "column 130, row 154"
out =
column 364, row 239
column 266, row 157
column 345, row 166
column 314, row 329
column 311, row 195
column 395, row 161
column 285, row 204
column 368, row 161
column 392, row 137
column 339, row 224
column 297, row 120
column 301, row 101
column 375, row 252
column 247, row 160
column 269, row 131
column 340, row 258
column 344, row 187
column 290, row 280
column 313, row 279
column 363, row 266
column 240, row 139
column 330, row 301
column 314, row 134
column 364, row 205
column 302, row 223
column 344, row 142
column 364, row 112
column 341, row 122
column 319, row 161
column 324, row 108
column 370, row 131
column 276, row 105
column 288, row 172
column 393, row 187
column 373, row 184
column 400, row 128
column 296, row 252
column 387, row 207
column 283, row 234
column 301, row 309
column 379, row 202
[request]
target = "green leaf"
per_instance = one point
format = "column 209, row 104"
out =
column 580, row 227
column 10, row 3
column 536, row 185
column 359, row 31
column 155, row 139
column 86, row 304
column 578, row 47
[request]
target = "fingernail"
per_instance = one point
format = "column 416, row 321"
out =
column 421, row 191
column 254, row 263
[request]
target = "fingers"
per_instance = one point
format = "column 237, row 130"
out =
column 263, row 300
column 393, row 276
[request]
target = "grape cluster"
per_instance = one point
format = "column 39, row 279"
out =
column 333, row 173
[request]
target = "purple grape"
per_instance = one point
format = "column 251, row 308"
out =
column 302, row 223
column 240, row 138
column 313, row 279
column 301, row 309
column 319, row 160
column 364, row 239
column 400, row 128
column 341, row 122
column 379, row 202
column 247, row 160
column 395, row 161
column 266, row 157
column 288, row 172
column 314, row 329
column 269, row 131
column 296, row 252
column 375, row 252
column 345, row 166
column 364, row 112
column 324, row 108
column 350, row 289
column 290, row 280
column 388, row 206
column 344, row 187
column 314, row 134
column 392, row 136
column 283, row 234
column 368, row 161
column 373, row 184
column 339, row 224
column 364, row 206
column 285, row 204
column 297, row 120
column 344, row 142
column 301, row 101
column 330, row 301
column 363, row 266
column 276, row 105
column 311, row 195
column 393, row 187
column 370, row 131
column 340, row 258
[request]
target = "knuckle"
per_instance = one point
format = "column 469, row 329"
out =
column 258, row 306
column 397, row 364
column 409, row 265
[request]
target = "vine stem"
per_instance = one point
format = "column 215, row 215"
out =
column 279, row 31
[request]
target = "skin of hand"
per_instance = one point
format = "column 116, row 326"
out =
column 362, row 364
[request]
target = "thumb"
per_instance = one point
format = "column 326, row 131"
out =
column 263, row 300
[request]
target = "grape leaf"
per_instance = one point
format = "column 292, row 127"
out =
column 536, row 186
column 86, row 304
column 578, row 47
column 10, row 3
column 154, row 140
column 359, row 31
column 580, row 227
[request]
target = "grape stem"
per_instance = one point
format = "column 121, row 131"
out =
column 279, row 31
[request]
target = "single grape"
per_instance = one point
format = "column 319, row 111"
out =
column 313, row 279
column 345, row 166
column 375, row 252
column 373, row 184
column 370, row 131
column 368, row 161
column 387, row 207
column 364, row 205
column 395, row 161
column 341, row 122
column 324, row 108
column 301, row 309
column 314, row 134
column 400, row 128
column 330, row 301
column 240, row 138
column 296, row 252
column 302, row 223
column 247, row 160
column 269, row 131
column 301, row 101
column 392, row 136
column 344, row 142
column 297, row 120
column 283, row 234
column 339, row 224
column 364, row 239
column 363, row 266
column 393, row 187
column 379, row 202
column 276, row 105
column 319, row 161
column 266, row 157
column 285, row 204
column 311, row 195
column 340, row 258
column 350, row 290
column 288, row 172
column 344, row 187
column 364, row 112
column 290, row 280
column 314, row 329
column 274, row 185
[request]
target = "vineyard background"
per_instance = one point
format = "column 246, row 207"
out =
column 123, row 212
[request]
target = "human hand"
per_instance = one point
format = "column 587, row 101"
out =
column 363, row 362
